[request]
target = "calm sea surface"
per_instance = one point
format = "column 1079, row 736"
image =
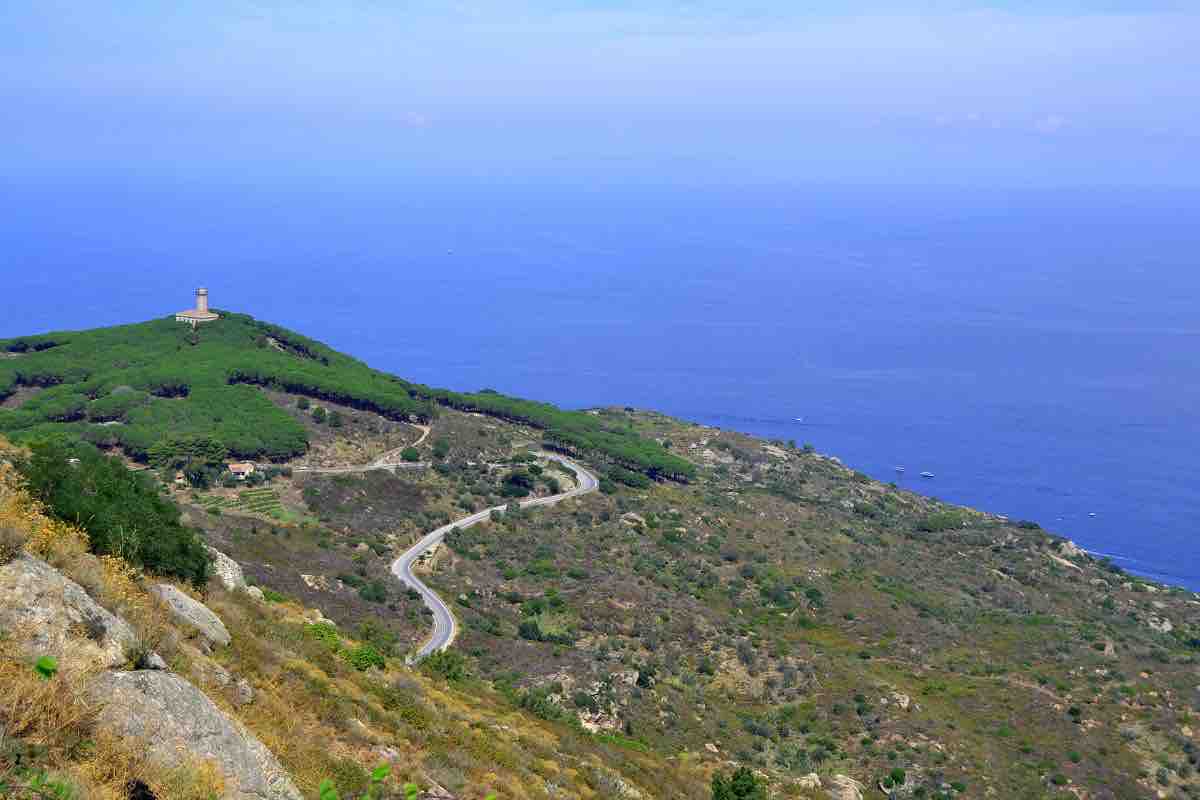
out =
column 1037, row 351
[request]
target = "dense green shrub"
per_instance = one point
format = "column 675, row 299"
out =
column 449, row 665
column 741, row 785
column 517, row 483
column 538, row 701
column 324, row 633
column 940, row 521
column 364, row 657
column 375, row 591
column 123, row 512
column 628, row 477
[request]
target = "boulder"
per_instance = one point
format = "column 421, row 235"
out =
column 843, row 787
column 810, row 781
column 177, row 721
column 226, row 570
column 193, row 614
column 315, row 616
column 45, row 613
column 243, row 693
column 254, row 592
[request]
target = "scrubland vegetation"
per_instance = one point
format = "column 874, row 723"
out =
column 727, row 618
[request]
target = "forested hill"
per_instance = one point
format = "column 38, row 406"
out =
column 138, row 385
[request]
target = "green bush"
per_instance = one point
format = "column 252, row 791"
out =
column 410, row 454
column 46, row 667
column 448, row 665
column 940, row 521
column 630, row 478
column 122, row 511
column 741, row 785
column 324, row 633
column 374, row 592
column 375, row 789
column 364, row 657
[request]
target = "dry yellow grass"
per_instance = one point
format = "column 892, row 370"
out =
column 56, row 714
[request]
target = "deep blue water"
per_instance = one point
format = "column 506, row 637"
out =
column 1034, row 349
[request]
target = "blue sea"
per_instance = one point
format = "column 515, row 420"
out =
column 1035, row 349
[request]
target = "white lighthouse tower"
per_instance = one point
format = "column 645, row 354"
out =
column 199, row 314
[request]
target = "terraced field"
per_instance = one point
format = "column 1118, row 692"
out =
column 210, row 501
column 253, row 501
column 261, row 501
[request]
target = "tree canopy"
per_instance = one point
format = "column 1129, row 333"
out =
column 135, row 386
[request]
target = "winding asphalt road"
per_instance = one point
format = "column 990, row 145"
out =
column 444, row 626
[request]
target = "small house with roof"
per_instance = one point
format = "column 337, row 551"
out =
column 241, row 470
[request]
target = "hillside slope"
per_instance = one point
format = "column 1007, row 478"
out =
column 135, row 386
column 324, row 702
column 768, row 607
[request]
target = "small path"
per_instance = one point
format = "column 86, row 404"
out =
column 444, row 626
column 392, row 460
column 408, row 465
column 393, row 457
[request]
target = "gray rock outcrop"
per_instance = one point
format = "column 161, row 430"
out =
column 193, row 614
column 177, row 720
column 226, row 570
column 810, row 781
column 47, row 614
column 843, row 787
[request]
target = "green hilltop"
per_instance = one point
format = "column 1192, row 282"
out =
column 137, row 385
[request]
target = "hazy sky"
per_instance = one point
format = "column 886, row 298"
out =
column 1030, row 91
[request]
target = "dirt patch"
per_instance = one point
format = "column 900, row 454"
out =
column 20, row 395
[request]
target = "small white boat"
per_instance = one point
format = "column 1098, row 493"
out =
column 926, row 474
column 1091, row 513
column 798, row 419
column 899, row 469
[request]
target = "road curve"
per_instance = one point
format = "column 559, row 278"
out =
column 444, row 626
